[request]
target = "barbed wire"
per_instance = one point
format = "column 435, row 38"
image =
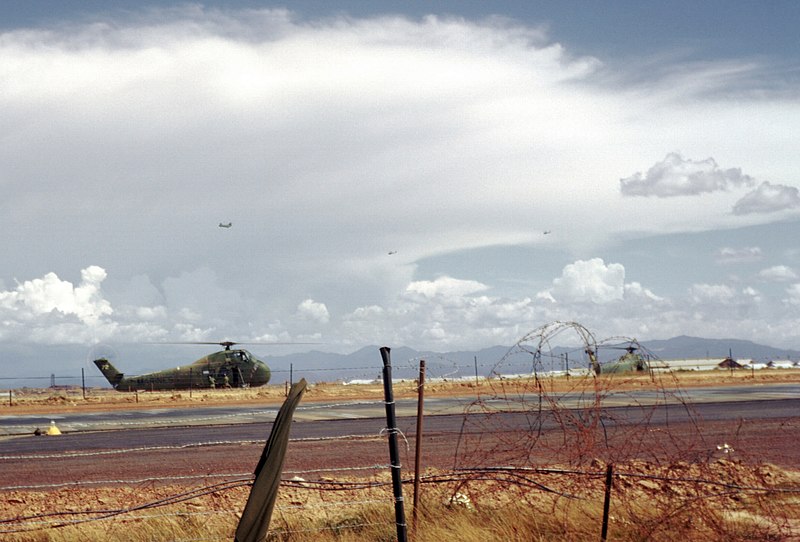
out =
column 512, row 475
column 580, row 433
column 136, row 481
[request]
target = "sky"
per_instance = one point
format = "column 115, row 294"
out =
column 439, row 175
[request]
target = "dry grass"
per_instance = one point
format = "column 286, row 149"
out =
column 661, row 501
column 652, row 509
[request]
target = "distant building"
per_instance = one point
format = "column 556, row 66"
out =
column 710, row 364
column 702, row 364
column 729, row 363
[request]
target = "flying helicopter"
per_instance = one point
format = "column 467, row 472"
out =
column 629, row 362
column 228, row 368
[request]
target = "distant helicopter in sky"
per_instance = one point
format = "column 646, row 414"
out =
column 224, row 225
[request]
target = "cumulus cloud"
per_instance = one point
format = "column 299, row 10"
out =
column 714, row 303
column 777, row 273
column 636, row 290
column 313, row 311
column 439, row 312
column 712, row 293
column 768, row 198
column 728, row 255
column 447, row 287
column 48, row 295
column 329, row 142
column 676, row 176
column 590, row 280
column 793, row 294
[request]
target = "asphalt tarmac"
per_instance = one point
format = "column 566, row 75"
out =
column 354, row 410
column 366, row 419
column 226, row 441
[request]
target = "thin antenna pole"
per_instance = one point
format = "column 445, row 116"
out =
column 418, row 441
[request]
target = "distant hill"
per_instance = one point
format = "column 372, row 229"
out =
column 696, row 347
column 366, row 363
column 38, row 365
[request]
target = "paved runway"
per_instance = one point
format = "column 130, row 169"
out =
column 306, row 428
column 194, row 416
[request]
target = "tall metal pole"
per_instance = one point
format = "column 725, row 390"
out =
column 83, row 382
column 418, row 442
column 394, row 454
column 476, row 369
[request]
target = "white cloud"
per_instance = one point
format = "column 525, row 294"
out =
column 720, row 301
column 590, row 280
column 38, row 297
column 151, row 313
column 444, row 287
column 768, row 198
column 793, row 293
column 777, row 273
column 313, row 311
column 636, row 290
column 729, row 255
column 330, row 142
column 676, row 176
column 445, row 311
column 712, row 293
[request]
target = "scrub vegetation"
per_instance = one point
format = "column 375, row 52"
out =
column 721, row 500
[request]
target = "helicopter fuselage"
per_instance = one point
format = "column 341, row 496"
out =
column 224, row 369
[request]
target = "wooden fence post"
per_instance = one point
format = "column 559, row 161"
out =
column 607, row 501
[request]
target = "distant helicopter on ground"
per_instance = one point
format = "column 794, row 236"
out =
column 630, row 362
column 224, row 369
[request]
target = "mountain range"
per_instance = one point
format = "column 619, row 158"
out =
column 38, row 367
column 366, row 363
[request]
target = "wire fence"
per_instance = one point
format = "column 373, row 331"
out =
column 339, row 495
column 309, row 497
column 536, row 446
column 440, row 366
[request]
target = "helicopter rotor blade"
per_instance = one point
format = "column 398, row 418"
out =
column 228, row 344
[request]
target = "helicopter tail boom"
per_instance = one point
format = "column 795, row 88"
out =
column 113, row 376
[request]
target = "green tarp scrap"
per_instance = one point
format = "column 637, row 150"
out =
column 257, row 512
